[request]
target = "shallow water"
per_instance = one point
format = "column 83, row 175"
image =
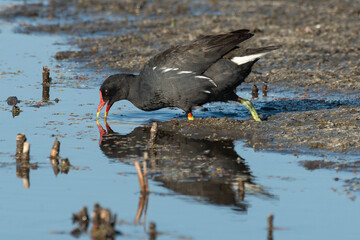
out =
column 306, row 204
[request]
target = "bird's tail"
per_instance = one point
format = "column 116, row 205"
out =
column 241, row 56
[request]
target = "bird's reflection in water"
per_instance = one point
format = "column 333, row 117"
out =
column 211, row 170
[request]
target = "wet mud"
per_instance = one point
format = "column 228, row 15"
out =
column 319, row 55
column 287, row 131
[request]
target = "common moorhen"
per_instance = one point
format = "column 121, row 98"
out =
column 206, row 70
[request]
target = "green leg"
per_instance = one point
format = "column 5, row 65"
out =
column 250, row 107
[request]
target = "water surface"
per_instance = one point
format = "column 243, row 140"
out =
column 306, row 204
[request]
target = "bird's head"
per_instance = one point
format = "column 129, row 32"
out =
column 113, row 89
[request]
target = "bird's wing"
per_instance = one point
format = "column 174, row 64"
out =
column 172, row 87
column 199, row 55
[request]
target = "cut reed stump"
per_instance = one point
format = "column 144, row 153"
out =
column 54, row 153
column 23, row 165
column 255, row 92
column 270, row 227
column 265, row 89
column 46, row 83
column 54, row 156
column 20, row 139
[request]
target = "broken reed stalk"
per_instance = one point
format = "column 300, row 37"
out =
column 255, row 92
column 25, row 156
column 270, row 226
column 140, row 176
column 265, row 90
column 20, row 139
column 46, row 75
column 142, row 181
column 54, row 153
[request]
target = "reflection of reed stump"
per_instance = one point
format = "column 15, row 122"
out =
column 152, row 231
column 82, row 218
column 103, row 223
column 153, row 133
column 241, row 189
column 46, row 84
column 142, row 175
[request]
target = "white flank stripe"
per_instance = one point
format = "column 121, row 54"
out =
column 182, row 72
column 202, row 77
column 206, row 91
column 168, row 69
column 249, row 58
column 210, row 80
column 154, row 68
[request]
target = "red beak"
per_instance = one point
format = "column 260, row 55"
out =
column 101, row 105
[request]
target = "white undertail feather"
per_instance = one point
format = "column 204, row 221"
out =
column 249, row 58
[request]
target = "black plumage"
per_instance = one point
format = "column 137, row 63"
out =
column 205, row 70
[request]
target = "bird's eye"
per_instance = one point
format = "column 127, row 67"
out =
column 106, row 92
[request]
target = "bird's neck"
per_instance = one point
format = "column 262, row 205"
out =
column 133, row 82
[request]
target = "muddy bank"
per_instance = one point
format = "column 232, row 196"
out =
column 320, row 44
column 289, row 132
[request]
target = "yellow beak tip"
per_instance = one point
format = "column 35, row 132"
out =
column 97, row 114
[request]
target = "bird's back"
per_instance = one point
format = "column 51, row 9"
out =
column 198, row 72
